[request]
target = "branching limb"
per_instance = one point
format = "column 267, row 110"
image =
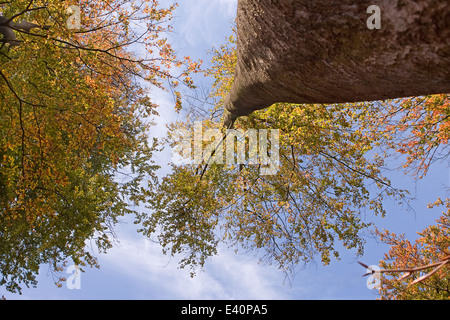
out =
column 409, row 271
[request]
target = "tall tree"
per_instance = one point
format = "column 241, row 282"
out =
column 75, row 109
column 318, row 203
column 331, row 158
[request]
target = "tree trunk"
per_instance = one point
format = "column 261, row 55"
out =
column 321, row 51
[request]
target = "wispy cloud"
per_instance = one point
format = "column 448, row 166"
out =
column 226, row 276
column 205, row 21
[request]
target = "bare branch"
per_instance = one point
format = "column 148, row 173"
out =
column 409, row 271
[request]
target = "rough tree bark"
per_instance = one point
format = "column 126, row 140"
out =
column 322, row 51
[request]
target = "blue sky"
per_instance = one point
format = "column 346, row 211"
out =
column 136, row 268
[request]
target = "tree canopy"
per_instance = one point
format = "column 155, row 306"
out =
column 329, row 186
column 75, row 113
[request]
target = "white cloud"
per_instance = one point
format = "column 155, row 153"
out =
column 205, row 21
column 226, row 276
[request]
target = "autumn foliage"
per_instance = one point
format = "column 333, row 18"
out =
column 75, row 112
column 313, row 206
column 74, row 146
column 418, row 127
column 319, row 203
column 431, row 247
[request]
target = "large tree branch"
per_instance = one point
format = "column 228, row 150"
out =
column 409, row 271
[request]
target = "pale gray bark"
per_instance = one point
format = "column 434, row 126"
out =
column 322, row 51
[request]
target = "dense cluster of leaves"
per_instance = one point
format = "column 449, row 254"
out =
column 74, row 147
